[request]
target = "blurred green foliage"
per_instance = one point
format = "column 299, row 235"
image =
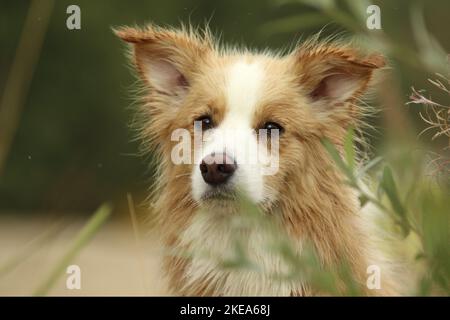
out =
column 73, row 147
column 421, row 224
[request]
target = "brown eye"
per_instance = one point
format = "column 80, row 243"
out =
column 206, row 122
column 271, row 126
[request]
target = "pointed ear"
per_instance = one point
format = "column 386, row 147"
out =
column 334, row 74
column 166, row 59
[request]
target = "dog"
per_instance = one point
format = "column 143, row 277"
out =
column 306, row 95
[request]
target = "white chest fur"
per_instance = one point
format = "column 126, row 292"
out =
column 213, row 240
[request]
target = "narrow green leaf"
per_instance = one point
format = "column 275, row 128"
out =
column 389, row 186
column 431, row 53
column 34, row 246
column 359, row 9
column 371, row 164
column 320, row 4
column 82, row 238
column 334, row 153
column 349, row 149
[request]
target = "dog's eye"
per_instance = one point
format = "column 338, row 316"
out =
column 271, row 126
column 206, row 121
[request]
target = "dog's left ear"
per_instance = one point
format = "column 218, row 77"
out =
column 334, row 74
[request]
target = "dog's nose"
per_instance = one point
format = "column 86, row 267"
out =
column 216, row 169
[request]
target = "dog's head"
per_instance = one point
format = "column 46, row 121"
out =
column 234, row 120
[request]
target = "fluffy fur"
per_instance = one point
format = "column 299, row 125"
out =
column 313, row 93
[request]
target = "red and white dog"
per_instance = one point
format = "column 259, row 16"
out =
column 305, row 96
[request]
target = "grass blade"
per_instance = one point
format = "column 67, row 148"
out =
column 349, row 149
column 334, row 153
column 373, row 163
column 32, row 247
column 82, row 238
column 390, row 188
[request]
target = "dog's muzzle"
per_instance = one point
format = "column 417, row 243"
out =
column 217, row 168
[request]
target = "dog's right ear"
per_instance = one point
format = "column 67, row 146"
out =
column 166, row 59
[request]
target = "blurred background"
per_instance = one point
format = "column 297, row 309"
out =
column 66, row 146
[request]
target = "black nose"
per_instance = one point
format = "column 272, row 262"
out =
column 216, row 169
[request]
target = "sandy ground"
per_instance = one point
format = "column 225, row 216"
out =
column 113, row 263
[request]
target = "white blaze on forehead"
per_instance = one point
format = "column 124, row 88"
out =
column 244, row 86
column 244, row 83
column 235, row 135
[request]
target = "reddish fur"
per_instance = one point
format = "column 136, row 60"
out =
column 314, row 203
